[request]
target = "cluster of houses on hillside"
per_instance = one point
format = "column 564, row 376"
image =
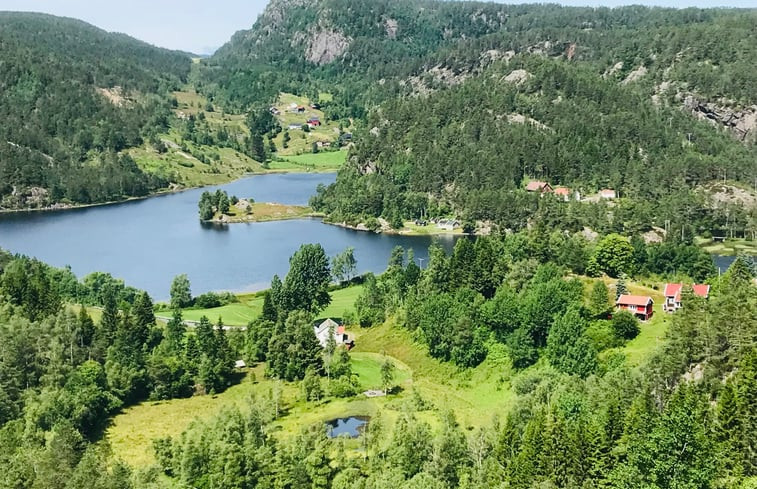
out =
column 642, row 306
column 565, row 193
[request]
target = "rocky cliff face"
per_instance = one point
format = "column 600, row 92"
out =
column 325, row 45
column 741, row 122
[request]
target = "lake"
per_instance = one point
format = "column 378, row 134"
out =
column 148, row 242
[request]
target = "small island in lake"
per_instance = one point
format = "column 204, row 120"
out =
column 218, row 207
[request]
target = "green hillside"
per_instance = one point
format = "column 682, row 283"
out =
column 469, row 150
column 73, row 97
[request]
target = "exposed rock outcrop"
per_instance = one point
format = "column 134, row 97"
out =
column 635, row 75
column 517, row 77
column 325, row 46
column 742, row 122
column 391, row 27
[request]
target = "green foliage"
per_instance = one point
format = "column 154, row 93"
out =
column 568, row 348
column 613, row 256
column 599, row 300
column 369, row 305
column 27, row 284
column 624, row 325
column 305, row 287
column 344, row 265
column 387, row 374
column 181, row 295
column 294, row 348
column 63, row 71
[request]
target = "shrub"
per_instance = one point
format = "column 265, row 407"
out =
column 208, row 300
column 625, row 326
column 344, row 386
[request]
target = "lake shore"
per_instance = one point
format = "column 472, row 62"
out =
column 62, row 207
column 728, row 247
column 410, row 229
column 264, row 212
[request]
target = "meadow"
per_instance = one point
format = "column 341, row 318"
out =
column 476, row 395
column 249, row 307
column 182, row 161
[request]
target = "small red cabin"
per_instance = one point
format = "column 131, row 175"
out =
column 639, row 305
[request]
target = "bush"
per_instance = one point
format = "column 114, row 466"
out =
column 601, row 335
column 344, row 386
column 625, row 326
column 372, row 224
column 208, row 300
column 214, row 299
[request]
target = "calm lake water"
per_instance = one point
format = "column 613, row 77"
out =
column 150, row 241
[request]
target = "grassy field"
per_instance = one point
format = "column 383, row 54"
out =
column 250, row 306
column 301, row 142
column 266, row 211
column 182, row 161
column 325, row 161
column 729, row 247
column 475, row 395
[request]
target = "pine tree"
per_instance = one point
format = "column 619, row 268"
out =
column 621, row 286
column 144, row 316
column 257, row 148
column 599, row 300
column 175, row 332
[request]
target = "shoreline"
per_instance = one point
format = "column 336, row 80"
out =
column 247, row 211
column 402, row 232
column 70, row 207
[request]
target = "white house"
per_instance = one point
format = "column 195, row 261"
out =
column 322, row 333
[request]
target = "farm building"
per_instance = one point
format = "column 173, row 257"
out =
column 607, row 193
column 447, row 224
column 673, row 295
column 537, row 186
column 639, row 305
column 563, row 192
column 340, row 336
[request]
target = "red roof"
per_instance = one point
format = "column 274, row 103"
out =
column 634, row 300
column 562, row 191
column 340, row 330
column 537, row 185
column 674, row 290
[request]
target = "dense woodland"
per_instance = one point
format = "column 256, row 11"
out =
column 468, row 151
column 708, row 52
column 61, row 135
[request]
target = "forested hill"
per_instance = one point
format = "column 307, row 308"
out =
column 469, row 150
column 367, row 51
column 71, row 97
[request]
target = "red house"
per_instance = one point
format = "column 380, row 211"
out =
column 639, row 305
column 537, row 186
column 563, row 192
column 673, row 295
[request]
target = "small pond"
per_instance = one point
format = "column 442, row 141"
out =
column 352, row 426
